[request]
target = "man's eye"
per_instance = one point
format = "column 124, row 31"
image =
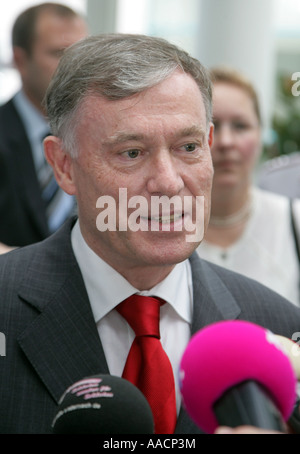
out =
column 132, row 154
column 56, row 53
column 190, row 147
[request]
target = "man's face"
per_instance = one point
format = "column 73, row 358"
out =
column 53, row 35
column 153, row 144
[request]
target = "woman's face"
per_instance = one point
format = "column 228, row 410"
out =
column 237, row 142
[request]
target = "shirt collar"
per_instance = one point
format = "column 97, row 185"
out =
column 35, row 124
column 34, row 121
column 176, row 288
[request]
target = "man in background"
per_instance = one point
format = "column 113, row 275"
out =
column 31, row 204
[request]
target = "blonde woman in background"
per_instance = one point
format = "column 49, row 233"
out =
column 250, row 229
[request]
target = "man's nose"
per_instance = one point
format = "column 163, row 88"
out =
column 165, row 175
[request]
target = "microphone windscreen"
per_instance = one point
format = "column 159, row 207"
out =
column 292, row 350
column 103, row 404
column 226, row 354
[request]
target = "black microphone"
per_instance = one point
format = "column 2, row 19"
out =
column 103, row 404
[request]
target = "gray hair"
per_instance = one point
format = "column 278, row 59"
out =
column 114, row 66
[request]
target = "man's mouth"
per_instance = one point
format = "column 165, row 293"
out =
column 165, row 219
column 164, row 222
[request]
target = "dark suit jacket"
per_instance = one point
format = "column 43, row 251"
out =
column 22, row 211
column 52, row 339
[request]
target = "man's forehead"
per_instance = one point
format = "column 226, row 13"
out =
column 178, row 132
column 73, row 27
column 185, row 96
column 121, row 123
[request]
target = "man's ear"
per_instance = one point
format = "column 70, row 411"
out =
column 20, row 58
column 211, row 135
column 61, row 163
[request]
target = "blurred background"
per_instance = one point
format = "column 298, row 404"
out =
column 259, row 37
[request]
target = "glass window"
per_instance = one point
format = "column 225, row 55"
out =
column 175, row 20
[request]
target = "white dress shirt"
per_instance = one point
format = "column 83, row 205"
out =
column 106, row 288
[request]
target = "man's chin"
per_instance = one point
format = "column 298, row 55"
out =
column 169, row 255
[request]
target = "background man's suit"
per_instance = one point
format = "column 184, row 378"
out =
column 53, row 340
column 22, row 210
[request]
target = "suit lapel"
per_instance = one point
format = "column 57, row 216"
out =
column 212, row 299
column 62, row 344
column 212, row 302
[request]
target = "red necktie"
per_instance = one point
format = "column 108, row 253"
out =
column 148, row 366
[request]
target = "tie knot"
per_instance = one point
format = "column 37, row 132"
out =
column 142, row 314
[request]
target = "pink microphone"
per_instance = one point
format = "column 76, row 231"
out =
column 234, row 373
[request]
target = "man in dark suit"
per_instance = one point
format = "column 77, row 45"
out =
column 40, row 34
column 128, row 113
